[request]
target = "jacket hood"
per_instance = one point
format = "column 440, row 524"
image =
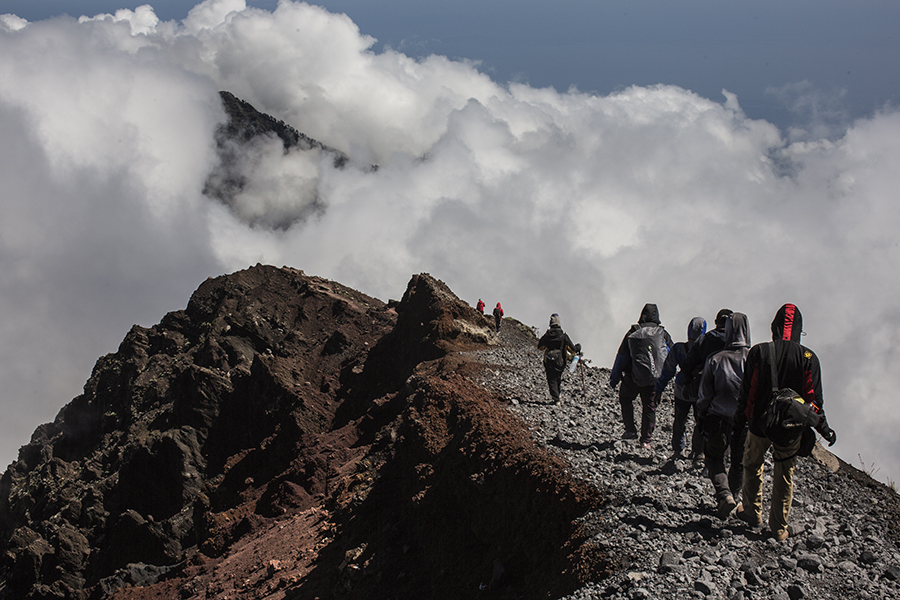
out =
column 696, row 328
column 721, row 317
column 788, row 324
column 737, row 331
column 649, row 314
column 555, row 320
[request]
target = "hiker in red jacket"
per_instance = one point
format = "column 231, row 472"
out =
column 480, row 306
column 498, row 316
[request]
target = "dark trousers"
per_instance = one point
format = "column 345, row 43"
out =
column 628, row 391
column 554, row 381
column 679, row 424
column 717, row 432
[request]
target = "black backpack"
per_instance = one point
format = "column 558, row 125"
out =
column 788, row 416
column 647, row 346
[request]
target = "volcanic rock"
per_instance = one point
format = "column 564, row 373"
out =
column 286, row 436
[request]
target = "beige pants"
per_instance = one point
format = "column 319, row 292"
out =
column 782, row 480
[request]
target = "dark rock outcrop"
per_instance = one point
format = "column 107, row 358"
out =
column 286, row 434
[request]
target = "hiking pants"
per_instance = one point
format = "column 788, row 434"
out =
column 628, row 391
column 679, row 428
column 554, row 381
column 718, row 437
column 782, row 480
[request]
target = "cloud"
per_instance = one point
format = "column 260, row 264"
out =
column 574, row 203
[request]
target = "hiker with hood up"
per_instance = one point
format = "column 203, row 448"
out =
column 796, row 367
column 558, row 349
column 676, row 361
column 638, row 364
column 709, row 342
column 498, row 316
column 480, row 306
column 719, row 391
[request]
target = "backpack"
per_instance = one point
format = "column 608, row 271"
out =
column 648, row 349
column 555, row 358
column 788, row 416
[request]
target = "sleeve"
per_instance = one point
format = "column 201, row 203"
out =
column 668, row 370
column 749, row 386
column 812, row 386
column 615, row 375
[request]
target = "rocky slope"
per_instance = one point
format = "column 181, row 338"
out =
column 659, row 517
column 287, row 437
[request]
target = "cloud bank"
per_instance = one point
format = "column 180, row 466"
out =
column 574, row 203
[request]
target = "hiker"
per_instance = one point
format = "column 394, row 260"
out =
column 638, row 364
column 558, row 349
column 675, row 361
column 795, row 367
column 719, row 390
column 498, row 316
column 480, row 306
column 709, row 342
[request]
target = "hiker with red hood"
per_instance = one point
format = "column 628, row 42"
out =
column 498, row 316
column 793, row 366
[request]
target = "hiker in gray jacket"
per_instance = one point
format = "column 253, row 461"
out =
column 720, row 387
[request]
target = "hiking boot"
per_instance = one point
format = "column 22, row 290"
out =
column 744, row 516
column 630, row 435
column 726, row 505
column 645, row 445
column 780, row 535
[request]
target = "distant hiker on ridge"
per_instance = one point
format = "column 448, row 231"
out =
column 480, row 306
column 558, row 349
column 676, row 361
column 719, row 390
column 795, row 367
column 498, row 316
column 638, row 365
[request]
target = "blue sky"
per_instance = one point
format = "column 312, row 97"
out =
column 800, row 63
column 644, row 183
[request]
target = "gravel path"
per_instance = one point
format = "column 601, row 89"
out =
column 660, row 514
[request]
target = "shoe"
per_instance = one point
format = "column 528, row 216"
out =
column 726, row 505
column 744, row 516
column 630, row 435
column 780, row 535
column 645, row 445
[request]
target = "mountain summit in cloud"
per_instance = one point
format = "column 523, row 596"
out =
column 240, row 179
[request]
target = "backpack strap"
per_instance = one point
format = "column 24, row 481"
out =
column 771, row 358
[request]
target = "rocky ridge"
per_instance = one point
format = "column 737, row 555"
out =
column 287, row 437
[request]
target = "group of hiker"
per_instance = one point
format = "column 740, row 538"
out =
column 498, row 313
column 744, row 400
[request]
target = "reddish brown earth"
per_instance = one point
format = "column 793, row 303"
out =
column 288, row 437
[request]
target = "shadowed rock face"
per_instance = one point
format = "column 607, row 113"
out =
column 287, row 435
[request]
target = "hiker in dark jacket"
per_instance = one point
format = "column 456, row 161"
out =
column 797, row 367
column 675, row 361
column 498, row 316
column 719, row 390
column 622, row 371
column 709, row 342
column 558, row 349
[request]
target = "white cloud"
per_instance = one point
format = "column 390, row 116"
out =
column 574, row 203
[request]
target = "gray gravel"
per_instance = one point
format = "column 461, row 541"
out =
column 660, row 519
